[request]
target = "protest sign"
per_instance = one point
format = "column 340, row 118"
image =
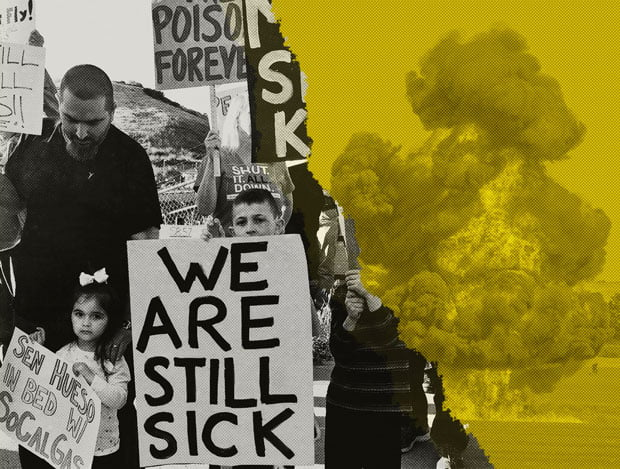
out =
column 223, row 354
column 21, row 88
column 198, row 43
column 276, row 87
column 180, row 231
column 17, row 21
column 45, row 407
column 223, row 98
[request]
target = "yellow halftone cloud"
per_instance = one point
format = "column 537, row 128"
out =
column 357, row 58
column 479, row 247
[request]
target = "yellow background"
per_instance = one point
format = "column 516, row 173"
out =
column 357, row 53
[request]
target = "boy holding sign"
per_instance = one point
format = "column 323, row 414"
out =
column 255, row 212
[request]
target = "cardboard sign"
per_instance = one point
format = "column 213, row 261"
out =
column 223, row 351
column 180, row 231
column 277, row 89
column 45, row 407
column 223, row 98
column 198, row 43
column 17, row 21
column 22, row 77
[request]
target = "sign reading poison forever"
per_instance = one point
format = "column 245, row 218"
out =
column 198, row 43
column 223, row 354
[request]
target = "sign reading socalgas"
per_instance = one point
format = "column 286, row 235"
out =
column 22, row 77
column 198, row 43
column 45, row 407
column 223, row 351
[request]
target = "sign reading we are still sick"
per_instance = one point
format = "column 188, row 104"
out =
column 222, row 351
column 45, row 407
column 22, row 76
column 198, row 43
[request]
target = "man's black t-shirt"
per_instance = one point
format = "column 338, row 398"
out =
column 79, row 217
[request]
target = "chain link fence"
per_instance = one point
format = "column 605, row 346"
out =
column 178, row 204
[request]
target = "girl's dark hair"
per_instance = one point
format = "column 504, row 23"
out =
column 109, row 302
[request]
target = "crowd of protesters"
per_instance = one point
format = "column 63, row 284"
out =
column 72, row 197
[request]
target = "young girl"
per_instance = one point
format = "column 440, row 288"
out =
column 94, row 318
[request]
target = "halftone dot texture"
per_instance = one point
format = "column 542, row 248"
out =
column 476, row 248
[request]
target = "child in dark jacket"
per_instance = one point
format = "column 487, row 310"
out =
column 370, row 384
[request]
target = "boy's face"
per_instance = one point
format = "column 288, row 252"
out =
column 255, row 220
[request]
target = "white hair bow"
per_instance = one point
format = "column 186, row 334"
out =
column 98, row 277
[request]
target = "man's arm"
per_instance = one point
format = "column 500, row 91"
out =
column 206, row 198
column 50, row 100
column 122, row 338
column 116, row 348
column 152, row 232
column 142, row 212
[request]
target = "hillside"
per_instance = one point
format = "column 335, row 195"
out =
column 167, row 130
column 163, row 127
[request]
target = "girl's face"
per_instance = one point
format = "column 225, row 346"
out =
column 89, row 322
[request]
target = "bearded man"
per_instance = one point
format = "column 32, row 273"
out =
column 87, row 188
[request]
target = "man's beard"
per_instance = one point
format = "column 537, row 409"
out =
column 82, row 152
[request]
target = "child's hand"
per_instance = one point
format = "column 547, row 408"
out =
column 354, row 304
column 317, row 430
column 36, row 39
column 212, row 140
column 38, row 336
column 213, row 229
column 82, row 369
column 79, row 368
column 354, row 283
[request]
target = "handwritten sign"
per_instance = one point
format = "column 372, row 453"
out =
column 198, row 43
column 17, row 21
column 224, row 96
column 45, row 407
column 180, row 231
column 21, row 88
column 223, row 355
column 277, row 89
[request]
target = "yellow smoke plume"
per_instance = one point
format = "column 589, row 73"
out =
column 493, row 82
column 475, row 247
